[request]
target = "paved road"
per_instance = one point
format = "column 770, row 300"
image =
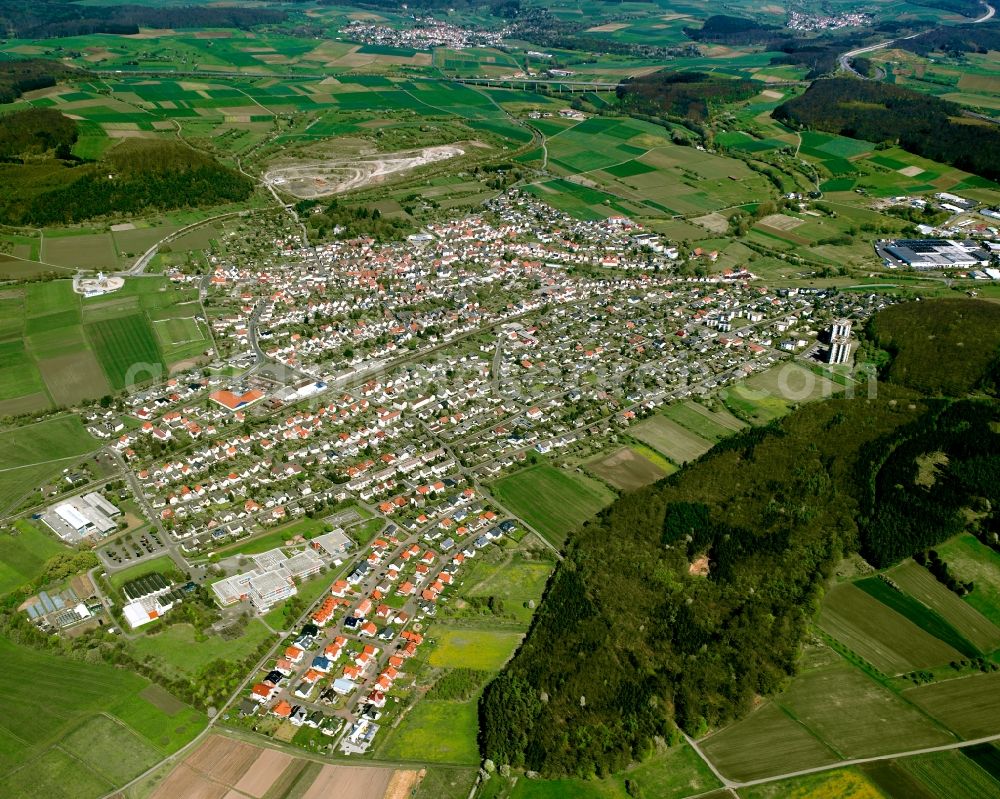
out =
column 728, row 783
column 845, row 58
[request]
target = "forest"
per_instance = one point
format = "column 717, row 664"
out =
column 956, row 40
column 350, row 220
column 50, row 18
column 36, row 131
column 630, row 643
column 683, row 94
column 24, row 75
column 134, row 178
column 879, row 112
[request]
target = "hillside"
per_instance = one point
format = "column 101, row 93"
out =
column 134, row 178
column 920, row 123
column 24, row 75
column 36, row 131
column 948, row 347
column 687, row 94
column 628, row 642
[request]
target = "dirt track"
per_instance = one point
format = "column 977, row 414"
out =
column 315, row 179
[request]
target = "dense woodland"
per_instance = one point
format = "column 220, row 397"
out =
column 44, row 19
column 683, row 94
column 880, row 112
column 956, row 40
column 36, row 131
column 628, row 642
column 53, row 187
column 349, row 221
column 24, row 75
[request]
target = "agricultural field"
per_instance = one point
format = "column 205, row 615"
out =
column 552, row 500
column 847, row 783
column 36, row 452
column 60, row 734
column 710, row 425
column 24, row 550
column 766, row 742
column 969, row 560
column 880, row 635
column 919, row 583
column 222, row 765
column 969, row 706
column 670, row 439
column 59, row 348
column 626, row 469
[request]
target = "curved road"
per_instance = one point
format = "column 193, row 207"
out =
column 845, row 58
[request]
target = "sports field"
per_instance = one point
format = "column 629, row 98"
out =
column 552, row 500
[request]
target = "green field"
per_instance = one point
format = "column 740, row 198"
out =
column 184, row 652
column 670, row 439
column 969, row 706
column 463, row 648
column 516, row 582
column 65, row 707
column 436, row 732
column 879, row 634
column 552, row 500
column 23, row 553
column 969, row 560
column 918, row 582
column 37, row 452
column 126, row 349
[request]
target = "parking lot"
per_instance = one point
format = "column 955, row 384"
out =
column 137, row 545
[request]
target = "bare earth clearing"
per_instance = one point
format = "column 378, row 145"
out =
column 310, row 180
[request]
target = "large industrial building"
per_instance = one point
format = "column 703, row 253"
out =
column 77, row 518
column 933, row 253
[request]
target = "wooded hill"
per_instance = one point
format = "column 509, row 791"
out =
column 44, row 19
column 24, row 75
column 920, row 123
column 628, row 642
column 136, row 177
column 683, row 94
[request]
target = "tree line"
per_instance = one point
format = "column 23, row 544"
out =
column 631, row 643
column 879, row 112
